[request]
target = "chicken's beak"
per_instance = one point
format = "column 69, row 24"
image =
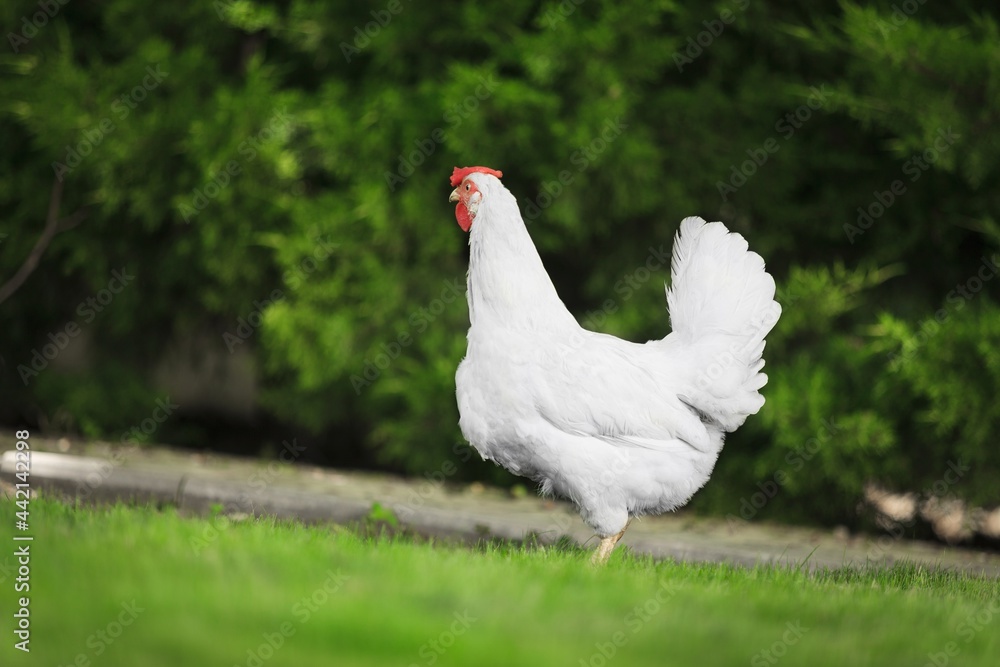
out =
column 454, row 195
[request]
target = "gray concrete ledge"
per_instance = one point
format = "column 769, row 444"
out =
column 199, row 484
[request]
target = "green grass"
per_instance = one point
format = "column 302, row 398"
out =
column 211, row 590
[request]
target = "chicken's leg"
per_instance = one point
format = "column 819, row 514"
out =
column 604, row 549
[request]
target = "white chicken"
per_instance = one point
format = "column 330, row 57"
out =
column 621, row 429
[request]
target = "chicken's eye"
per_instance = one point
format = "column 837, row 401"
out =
column 467, row 187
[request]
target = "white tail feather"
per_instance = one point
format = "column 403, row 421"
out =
column 721, row 301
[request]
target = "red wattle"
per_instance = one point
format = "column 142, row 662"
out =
column 463, row 217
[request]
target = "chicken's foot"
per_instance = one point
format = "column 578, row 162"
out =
column 607, row 544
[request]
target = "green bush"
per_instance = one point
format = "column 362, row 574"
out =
column 282, row 186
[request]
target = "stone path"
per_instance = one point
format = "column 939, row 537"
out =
column 198, row 482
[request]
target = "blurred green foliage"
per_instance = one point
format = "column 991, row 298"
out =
column 276, row 174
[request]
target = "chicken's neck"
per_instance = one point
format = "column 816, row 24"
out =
column 508, row 285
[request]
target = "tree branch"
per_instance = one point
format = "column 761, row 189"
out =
column 53, row 225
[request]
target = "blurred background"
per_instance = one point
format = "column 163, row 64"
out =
column 225, row 224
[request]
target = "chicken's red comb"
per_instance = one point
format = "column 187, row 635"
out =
column 460, row 173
